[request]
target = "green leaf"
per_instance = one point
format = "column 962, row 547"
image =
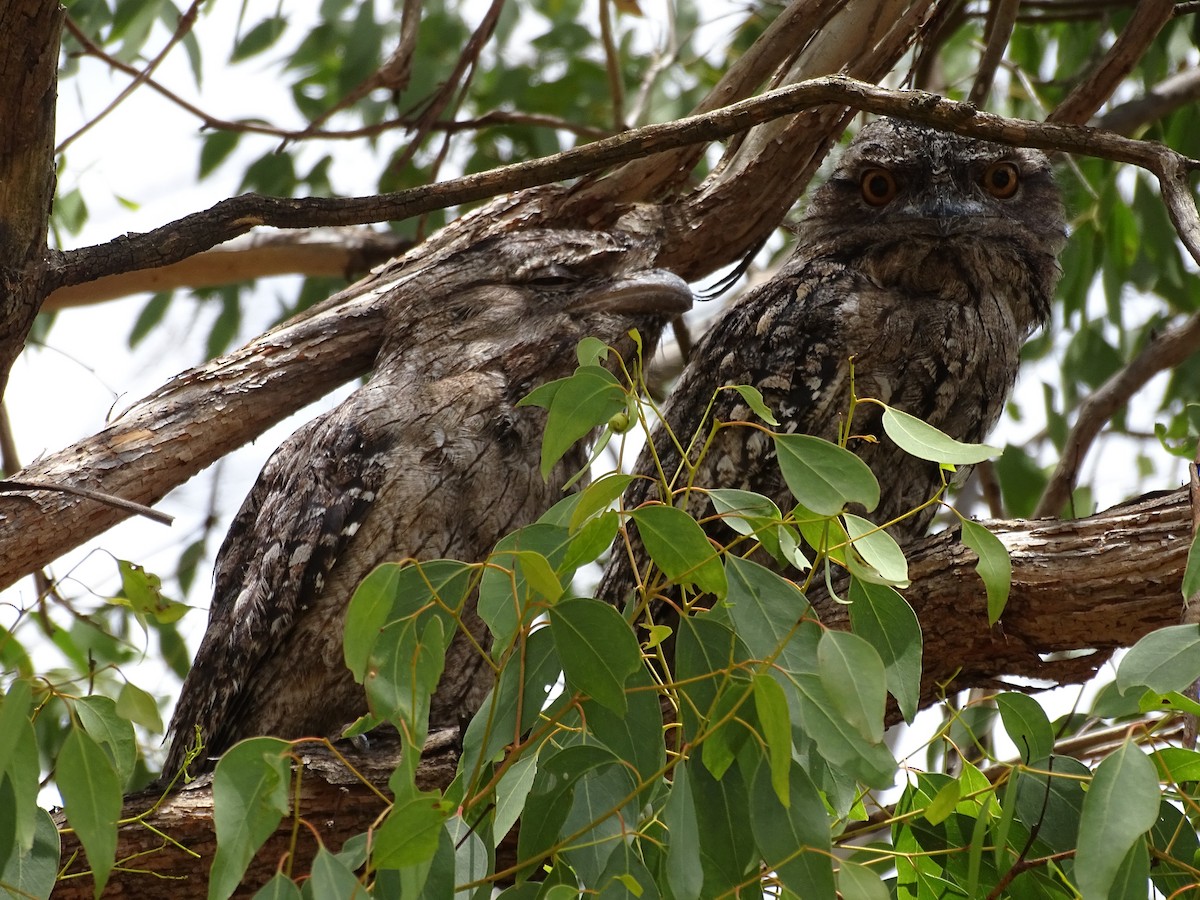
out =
column 770, row 703
column 684, row 873
column 852, row 674
column 626, row 733
column 91, row 793
column 994, row 566
column 878, row 549
column 754, row 399
column 330, row 878
column 410, row 833
column 258, row 39
column 403, row 591
column 575, row 405
column 744, row 511
column 884, row 619
column 943, row 803
column 793, row 835
column 280, row 887
column 139, row 707
column 250, row 799
column 507, row 595
column 680, row 548
column 861, row 883
column 597, row 648
column 1164, row 660
column 598, row 497
column 1120, row 807
column 19, row 762
column 922, row 440
column 32, row 871
column 1026, row 724
column 511, row 792
column 215, row 149
column 824, row 477
column 403, row 673
column 728, row 849
column 551, row 800
column 1191, row 574
column 99, row 717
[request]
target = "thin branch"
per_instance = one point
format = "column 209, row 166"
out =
column 1165, row 97
column 216, row 123
column 1163, row 352
column 1126, row 52
column 338, row 253
column 392, row 76
column 1002, row 15
column 186, row 22
column 455, row 83
column 8, row 485
column 229, row 218
column 612, row 66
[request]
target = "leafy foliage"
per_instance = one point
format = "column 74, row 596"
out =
column 772, row 772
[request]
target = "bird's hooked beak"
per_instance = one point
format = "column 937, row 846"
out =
column 655, row 291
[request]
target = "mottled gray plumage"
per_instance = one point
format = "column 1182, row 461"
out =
column 928, row 258
column 430, row 458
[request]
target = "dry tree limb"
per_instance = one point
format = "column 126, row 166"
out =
column 1164, row 351
column 1001, row 17
column 339, row 253
column 1148, row 18
column 1165, row 97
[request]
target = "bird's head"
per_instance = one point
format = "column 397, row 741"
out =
column 522, row 301
column 901, row 177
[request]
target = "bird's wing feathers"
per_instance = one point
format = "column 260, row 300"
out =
column 305, row 507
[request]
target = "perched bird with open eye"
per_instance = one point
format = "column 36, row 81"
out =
column 927, row 259
column 430, row 458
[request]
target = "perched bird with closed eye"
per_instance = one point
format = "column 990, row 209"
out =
column 430, row 458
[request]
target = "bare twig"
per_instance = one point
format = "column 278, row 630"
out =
column 1002, row 15
column 129, row 506
column 460, row 77
column 612, row 66
column 1126, row 52
column 186, row 21
column 1165, row 351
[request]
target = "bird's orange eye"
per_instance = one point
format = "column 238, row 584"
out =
column 878, row 186
column 1001, row 180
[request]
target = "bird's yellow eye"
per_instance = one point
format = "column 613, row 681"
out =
column 1001, row 180
column 878, row 186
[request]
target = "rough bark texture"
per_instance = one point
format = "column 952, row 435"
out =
column 28, row 73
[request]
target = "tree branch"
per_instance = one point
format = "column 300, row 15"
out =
column 229, row 218
column 340, row 253
column 1148, row 18
column 1094, row 583
column 1165, row 351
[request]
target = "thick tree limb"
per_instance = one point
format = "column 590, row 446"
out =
column 28, row 71
column 1088, row 584
column 341, row 253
